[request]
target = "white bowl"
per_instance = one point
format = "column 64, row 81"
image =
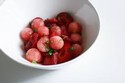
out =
column 16, row 14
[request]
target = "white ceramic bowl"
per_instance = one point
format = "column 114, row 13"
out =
column 16, row 14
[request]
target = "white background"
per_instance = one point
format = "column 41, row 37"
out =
column 105, row 63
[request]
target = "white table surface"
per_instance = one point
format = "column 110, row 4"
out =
column 105, row 62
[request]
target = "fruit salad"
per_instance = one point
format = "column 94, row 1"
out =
column 53, row 40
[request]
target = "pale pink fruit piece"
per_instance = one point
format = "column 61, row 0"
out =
column 26, row 34
column 43, row 31
column 42, row 44
column 34, row 54
column 36, row 23
column 56, row 29
column 56, row 42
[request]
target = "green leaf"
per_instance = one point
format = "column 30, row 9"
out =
column 47, row 46
column 34, row 62
column 48, row 42
column 61, row 40
column 47, row 49
column 49, row 27
column 50, row 51
column 71, row 48
column 35, row 30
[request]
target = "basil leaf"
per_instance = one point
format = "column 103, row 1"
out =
column 34, row 62
column 48, row 42
column 50, row 51
column 47, row 49
column 71, row 48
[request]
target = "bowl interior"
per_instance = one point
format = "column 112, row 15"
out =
column 16, row 14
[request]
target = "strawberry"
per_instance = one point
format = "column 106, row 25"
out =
column 64, row 31
column 32, row 43
column 64, row 18
column 64, row 54
column 66, row 38
column 50, row 60
column 50, row 22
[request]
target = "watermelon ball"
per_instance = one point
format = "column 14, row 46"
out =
column 55, row 29
column 76, row 50
column 56, row 42
column 76, row 38
column 74, row 27
column 34, row 55
column 42, row 44
column 43, row 31
column 36, row 23
column 26, row 34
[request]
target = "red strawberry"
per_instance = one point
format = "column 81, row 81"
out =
column 64, row 18
column 66, row 38
column 53, row 34
column 51, row 60
column 50, row 22
column 64, row 31
column 45, row 54
column 67, row 45
column 32, row 43
column 64, row 54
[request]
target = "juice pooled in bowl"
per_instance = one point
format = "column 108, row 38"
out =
column 52, row 41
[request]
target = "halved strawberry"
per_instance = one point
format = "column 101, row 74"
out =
column 32, row 43
column 64, row 54
column 50, row 22
column 50, row 60
column 45, row 54
column 67, row 45
column 66, row 38
column 53, row 34
column 64, row 18
column 64, row 31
